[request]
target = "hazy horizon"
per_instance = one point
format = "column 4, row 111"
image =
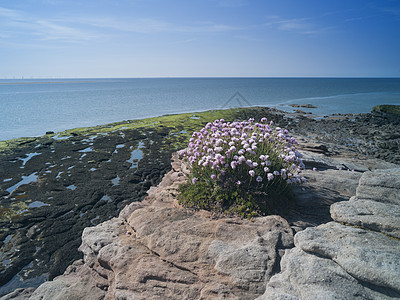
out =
column 198, row 39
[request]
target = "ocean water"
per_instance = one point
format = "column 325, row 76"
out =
column 32, row 107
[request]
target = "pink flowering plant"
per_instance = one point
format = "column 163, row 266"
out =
column 241, row 168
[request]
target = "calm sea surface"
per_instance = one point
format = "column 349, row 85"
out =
column 32, row 107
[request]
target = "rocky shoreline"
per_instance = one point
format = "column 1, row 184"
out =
column 156, row 249
column 88, row 179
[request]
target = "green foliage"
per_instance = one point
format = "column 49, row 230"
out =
column 241, row 168
column 391, row 109
column 235, row 201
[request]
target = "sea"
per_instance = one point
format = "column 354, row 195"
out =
column 31, row 107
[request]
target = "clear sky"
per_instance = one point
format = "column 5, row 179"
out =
column 196, row 38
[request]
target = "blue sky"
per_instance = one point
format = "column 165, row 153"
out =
column 196, row 38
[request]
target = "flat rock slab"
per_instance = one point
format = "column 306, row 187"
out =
column 368, row 256
column 369, row 214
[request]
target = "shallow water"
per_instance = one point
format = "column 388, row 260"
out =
column 25, row 180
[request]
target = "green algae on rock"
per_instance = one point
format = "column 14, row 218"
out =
column 389, row 109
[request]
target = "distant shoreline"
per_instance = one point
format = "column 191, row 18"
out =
column 46, row 82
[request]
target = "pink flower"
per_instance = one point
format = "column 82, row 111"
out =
column 213, row 176
column 194, row 180
column 270, row 176
column 252, row 173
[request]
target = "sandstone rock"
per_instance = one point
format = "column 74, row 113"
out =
column 369, row 257
column 80, row 284
column 158, row 250
column 369, row 214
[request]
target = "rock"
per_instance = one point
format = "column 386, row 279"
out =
column 309, row 277
column 79, row 284
column 157, row 249
column 376, row 205
column 334, row 261
column 368, row 256
column 19, row 294
column 369, row 214
column 381, row 186
column 314, row 198
column 303, row 105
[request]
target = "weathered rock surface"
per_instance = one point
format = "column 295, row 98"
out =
column 334, row 261
column 156, row 249
column 308, row 276
column 376, row 205
column 381, row 186
column 369, row 214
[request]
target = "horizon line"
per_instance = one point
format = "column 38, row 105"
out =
column 198, row 77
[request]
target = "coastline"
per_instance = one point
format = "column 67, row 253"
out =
column 85, row 176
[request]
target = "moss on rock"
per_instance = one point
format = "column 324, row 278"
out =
column 389, row 109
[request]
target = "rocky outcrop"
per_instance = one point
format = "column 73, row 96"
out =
column 158, row 250
column 358, row 260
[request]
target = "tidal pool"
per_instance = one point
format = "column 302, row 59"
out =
column 25, row 180
column 136, row 155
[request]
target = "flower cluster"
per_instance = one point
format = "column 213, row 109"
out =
column 244, row 153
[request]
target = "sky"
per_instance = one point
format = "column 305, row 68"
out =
column 199, row 38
